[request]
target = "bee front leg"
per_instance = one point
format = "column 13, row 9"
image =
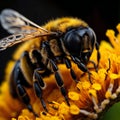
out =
column 98, row 53
column 82, row 67
column 94, row 65
column 69, row 66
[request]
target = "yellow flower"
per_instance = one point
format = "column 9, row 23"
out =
column 87, row 100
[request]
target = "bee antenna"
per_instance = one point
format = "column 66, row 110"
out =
column 56, row 34
column 59, row 33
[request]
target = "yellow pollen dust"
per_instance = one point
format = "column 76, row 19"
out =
column 46, row 117
column 63, row 109
column 73, row 95
column 84, row 85
column 92, row 92
column 74, row 110
column 96, row 86
column 108, row 94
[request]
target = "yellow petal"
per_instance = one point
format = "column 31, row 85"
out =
column 114, row 76
column 83, row 85
column 118, row 27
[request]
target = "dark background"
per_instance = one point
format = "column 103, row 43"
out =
column 100, row 15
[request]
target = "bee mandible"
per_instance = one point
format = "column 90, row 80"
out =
column 61, row 41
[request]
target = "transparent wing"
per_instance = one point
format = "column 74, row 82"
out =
column 20, row 37
column 22, row 29
column 10, row 40
column 14, row 22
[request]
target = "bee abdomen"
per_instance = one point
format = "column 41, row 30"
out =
column 22, row 73
column 16, row 78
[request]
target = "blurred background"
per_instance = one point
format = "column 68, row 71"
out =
column 100, row 15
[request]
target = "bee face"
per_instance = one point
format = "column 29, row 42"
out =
column 80, row 42
column 60, row 41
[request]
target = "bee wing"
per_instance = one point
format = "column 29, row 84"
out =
column 19, row 26
column 10, row 40
column 17, row 38
column 20, row 37
column 14, row 22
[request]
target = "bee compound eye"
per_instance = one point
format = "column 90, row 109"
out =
column 82, row 31
column 72, row 42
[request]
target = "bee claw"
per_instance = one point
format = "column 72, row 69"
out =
column 31, row 110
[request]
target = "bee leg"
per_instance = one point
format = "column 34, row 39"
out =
column 25, row 98
column 82, row 67
column 59, row 81
column 98, row 53
column 94, row 65
column 69, row 66
column 17, row 81
column 108, row 68
column 85, row 69
column 38, row 84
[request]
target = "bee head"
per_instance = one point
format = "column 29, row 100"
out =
column 79, row 42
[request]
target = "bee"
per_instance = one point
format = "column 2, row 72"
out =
column 60, row 41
